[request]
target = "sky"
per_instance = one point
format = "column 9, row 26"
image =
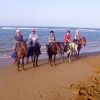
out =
column 58, row 13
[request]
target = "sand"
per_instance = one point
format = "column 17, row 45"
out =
column 46, row 82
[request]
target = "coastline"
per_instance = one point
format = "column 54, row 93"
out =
column 5, row 62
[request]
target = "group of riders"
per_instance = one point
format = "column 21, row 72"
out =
column 33, row 39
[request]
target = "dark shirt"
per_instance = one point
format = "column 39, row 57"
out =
column 19, row 38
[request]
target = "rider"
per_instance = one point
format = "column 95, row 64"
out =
column 51, row 38
column 67, row 39
column 34, row 38
column 18, row 39
column 77, row 36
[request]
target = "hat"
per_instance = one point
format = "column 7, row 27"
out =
column 33, row 30
column 51, row 31
column 17, row 31
column 68, row 31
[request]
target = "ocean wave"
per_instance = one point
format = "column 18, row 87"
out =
column 89, row 30
column 5, row 56
column 14, row 28
column 43, row 47
column 93, row 42
column 4, row 51
column 10, row 28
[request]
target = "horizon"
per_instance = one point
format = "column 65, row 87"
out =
column 50, row 27
column 73, row 13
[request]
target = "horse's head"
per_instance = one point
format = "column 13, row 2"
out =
column 21, row 50
column 58, row 44
column 82, row 41
column 53, row 46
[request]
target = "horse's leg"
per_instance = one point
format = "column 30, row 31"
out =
column 50, row 60
column 79, row 48
column 27, row 58
column 37, row 60
column 34, row 60
column 69, row 57
column 61, row 57
column 23, row 63
column 78, row 53
column 18, row 63
column 54, row 60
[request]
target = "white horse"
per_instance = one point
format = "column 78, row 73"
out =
column 72, row 51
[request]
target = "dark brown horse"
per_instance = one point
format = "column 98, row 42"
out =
column 60, row 50
column 51, row 51
column 81, row 42
column 20, row 54
column 33, row 51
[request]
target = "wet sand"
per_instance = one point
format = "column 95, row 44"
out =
column 46, row 82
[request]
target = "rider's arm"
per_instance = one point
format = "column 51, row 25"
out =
column 30, row 37
column 68, row 40
column 16, row 40
column 37, row 37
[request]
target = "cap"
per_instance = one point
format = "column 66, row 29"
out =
column 68, row 31
column 17, row 31
column 51, row 31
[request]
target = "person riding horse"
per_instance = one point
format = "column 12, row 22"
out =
column 77, row 36
column 19, row 50
column 33, row 37
column 18, row 40
column 51, row 39
column 67, row 40
column 51, row 47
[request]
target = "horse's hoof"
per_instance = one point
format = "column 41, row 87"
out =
column 54, row 65
column 33, row 65
column 69, row 61
column 37, row 65
column 66, row 61
column 61, row 61
column 51, row 65
column 24, row 69
column 18, row 70
column 27, row 62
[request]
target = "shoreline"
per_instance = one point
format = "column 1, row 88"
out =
column 5, row 62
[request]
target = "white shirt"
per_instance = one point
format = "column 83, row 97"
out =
column 77, row 36
column 33, row 37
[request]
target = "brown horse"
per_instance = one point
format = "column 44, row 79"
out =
column 60, row 50
column 51, row 51
column 81, row 42
column 20, row 54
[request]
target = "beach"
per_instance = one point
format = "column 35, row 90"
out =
column 61, row 82
column 48, row 83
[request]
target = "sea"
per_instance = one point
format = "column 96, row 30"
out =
column 7, row 34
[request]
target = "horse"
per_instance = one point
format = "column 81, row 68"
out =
column 60, row 50
column 51, row 51
column 81, row 42
column 36, row 52
column 74, row 48
column 33, row 51
column 20, row 53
